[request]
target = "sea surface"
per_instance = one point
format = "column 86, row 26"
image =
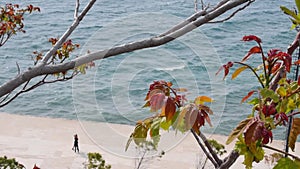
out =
column 114, row 90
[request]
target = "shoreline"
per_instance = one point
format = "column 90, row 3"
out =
column 47, row 142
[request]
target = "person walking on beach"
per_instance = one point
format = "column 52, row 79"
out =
column 75, row 147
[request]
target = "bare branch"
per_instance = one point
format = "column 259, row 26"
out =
column 234, row 13
column 202, row 5
column 204, row 149
column 229, row 160
column 76, row 9
column 280, row 151
column 212, row 152
column 19, row 71
column 40, row 83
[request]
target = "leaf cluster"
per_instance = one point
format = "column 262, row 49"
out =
column 6, row 163
column 277, row 97
column 293, row 14
column 95, row 161
column 61, row 54
column 171, row 110
column 11, row 20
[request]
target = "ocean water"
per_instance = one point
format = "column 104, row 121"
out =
column 114, row 90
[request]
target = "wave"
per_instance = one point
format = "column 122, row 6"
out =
column 172, row 68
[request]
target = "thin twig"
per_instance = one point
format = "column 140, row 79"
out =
column 67, row 33
column 229, row 160
column 196, row 5
column 141, row 160
column 40, row 83
column 202, row 5
column 293, row 114
column 204, row 149
column 19, row 71
column 280, row 151
column 233, row 14
column 76, row 9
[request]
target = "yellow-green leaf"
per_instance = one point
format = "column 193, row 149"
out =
column 281, row 91
column 238, row 130
column 295, row 131
column 202, row 99
column 297, row 2
column 289, row 12
column 287, row 163
column 238, row 71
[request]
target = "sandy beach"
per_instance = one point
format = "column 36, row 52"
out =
column 47, row 142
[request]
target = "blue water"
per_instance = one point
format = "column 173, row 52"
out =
column 114, row 90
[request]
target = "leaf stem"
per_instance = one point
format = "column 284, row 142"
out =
column 263, row 86
column 265, row 68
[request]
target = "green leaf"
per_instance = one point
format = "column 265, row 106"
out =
column 140, row 134
column 297, row 2
column 295, row 131
column 154, row 131
column 248, row 159
column 281, row 91
column 254, row 101
column 287, row 163
column 265, row 93
column 270, row 122
column 238, row 130
column 238, row 71
column 289, row 12
column 154, row 128
column 291, row 105
column 164, row 124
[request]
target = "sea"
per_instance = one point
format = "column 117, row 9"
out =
column 114, row 90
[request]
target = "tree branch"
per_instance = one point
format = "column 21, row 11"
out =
column 234, row 13
column 280, row 151
column 76, row 9
column 208, row 146
column 68, row 32
column 204, row 149
column 229, row 160
column 40, row 83
column 43, row 68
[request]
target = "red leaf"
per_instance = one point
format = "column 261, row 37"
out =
column 251, row 38
column 253, row 50
column 248, row 95
column 254, row 132
column 275, row 67
column 226, row 69
column 169, row 109
column 299, row 80
column 273, row 52
column 288, row 62
column 157, row 101
column 297, row 62
column 191, row 116
column 36, row 167
column 267, row 135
